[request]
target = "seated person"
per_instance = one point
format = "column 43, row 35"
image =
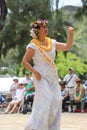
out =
column 85, row 84
column 29, row 96
column 13, row 105
column 12, row 91
column 28, row 79
column 2, row 99
column 79, row 95
column 65, row 95
column 85, row 94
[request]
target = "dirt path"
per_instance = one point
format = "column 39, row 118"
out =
column 69, row 121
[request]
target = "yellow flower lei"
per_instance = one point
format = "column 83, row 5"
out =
column 48, row 47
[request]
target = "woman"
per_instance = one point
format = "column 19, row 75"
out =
column 65, row 96
column 15, row 103
column 46, row 110
column 79, row 95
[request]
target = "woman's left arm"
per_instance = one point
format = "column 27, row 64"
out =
column 83, row 93
column 66, row 46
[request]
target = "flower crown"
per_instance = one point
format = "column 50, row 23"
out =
column 36, row 25
column 39, row 23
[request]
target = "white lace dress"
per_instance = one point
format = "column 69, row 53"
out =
column 46, row 111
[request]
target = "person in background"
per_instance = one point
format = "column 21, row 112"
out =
column 25, row 83
column 14, row 104
column 28, row 79
column 85, row 86
column 2, row 99
column 10, row 96
column 70, row 80
column 28, row 97
column 65, row 96
column 79, row 95
column 86, row 94
column 46, row 110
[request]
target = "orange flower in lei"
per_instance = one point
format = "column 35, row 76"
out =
column 48, row 46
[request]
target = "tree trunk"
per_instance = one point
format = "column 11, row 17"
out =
column 3, row 11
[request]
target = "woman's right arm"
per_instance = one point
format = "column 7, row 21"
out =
column 74, row 94
column 83, row 93
column 26, row 62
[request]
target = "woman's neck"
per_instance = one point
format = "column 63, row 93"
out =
column 79, row 85
column 42, row 40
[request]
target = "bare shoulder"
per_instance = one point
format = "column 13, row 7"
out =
column 30, row 50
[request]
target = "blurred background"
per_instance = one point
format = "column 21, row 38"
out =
column 15, row 19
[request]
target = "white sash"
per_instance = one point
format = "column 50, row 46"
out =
column 46, row 58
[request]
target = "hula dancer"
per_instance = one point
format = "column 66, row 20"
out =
column 46, row 111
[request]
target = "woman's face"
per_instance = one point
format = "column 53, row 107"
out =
column 43, row 31
column 78, row 83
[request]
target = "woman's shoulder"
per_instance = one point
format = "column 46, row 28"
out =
column 31, row 45
column 54, row 42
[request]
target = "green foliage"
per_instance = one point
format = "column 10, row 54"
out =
column 57, row 29
column 81, row 10
column 17, row 26
column 15, row 35
column 11, row 61
column 3, row 13
column 70, row 61
column 80, row 35
column 80, row 39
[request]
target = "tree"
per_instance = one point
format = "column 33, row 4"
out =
column 80, row 35
column 17, row 26
column 80, row 39
column 15, row 34
column 81, row 10
column 72, row 60
column 3, row 12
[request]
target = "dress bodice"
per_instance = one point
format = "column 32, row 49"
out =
column 41, row 65
column 38, row 60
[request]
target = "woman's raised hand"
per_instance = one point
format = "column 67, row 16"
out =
column 71, row 29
